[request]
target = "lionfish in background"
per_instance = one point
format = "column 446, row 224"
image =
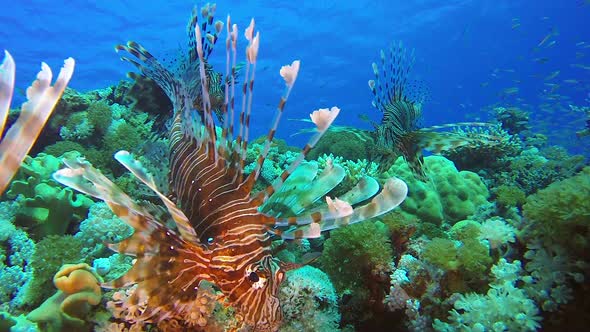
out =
column 399, row 132
column 223, row 230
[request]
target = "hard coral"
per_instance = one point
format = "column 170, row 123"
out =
column 52, row 252
column 309, row 301
column 449, row 195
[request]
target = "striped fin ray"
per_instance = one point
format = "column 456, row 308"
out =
column 457, row 124
column 82, row 176
column 436, row 142
column 167, row 268
column 184, row 227
column 289, row 74
column 322, row 118
column 391, row 78
column 247, row 94
column 230, row 81
column 394, row 192
column 302, row 189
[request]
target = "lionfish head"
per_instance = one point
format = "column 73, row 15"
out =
column 260, row 302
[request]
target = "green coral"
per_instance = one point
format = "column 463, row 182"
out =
column 508, row 195
column 46, row 207
column 353, row 250
column 357, row 260
column 124, row 136
column 560, row 213
column 100, row 115
column 61, row 147
column 347, row 144
column 442, row 253
column 465, row 229
column 51, row 253
column 77, row 127
column 468, row 257
column 449, row 195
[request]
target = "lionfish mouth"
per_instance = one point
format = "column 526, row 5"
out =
column 212, row 198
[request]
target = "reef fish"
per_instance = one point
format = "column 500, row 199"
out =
column 224, row 228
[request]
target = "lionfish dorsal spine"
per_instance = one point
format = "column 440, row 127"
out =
column 182, row 223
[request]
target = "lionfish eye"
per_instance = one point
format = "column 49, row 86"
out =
column 210, row 240
column 253, row 277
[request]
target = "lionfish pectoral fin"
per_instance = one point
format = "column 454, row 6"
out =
column 134, row 166
column 393, row 194
column 307, row 259
column 82, row 176
column 366, row 188
column 439, row 142
column 303, row 188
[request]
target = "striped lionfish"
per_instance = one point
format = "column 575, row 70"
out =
column 223, row 229
column 399, row 132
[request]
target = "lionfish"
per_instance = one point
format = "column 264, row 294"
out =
column 399, row 132
column 223, row 230
column 41, row 100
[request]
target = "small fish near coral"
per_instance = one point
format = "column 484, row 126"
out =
column 223, row 229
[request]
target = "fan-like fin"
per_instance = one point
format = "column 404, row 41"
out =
column 393, row 194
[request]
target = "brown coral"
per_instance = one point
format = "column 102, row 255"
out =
column 78, row 289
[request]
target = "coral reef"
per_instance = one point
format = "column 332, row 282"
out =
column 309, row 301
column 560, row 213
column 448, row 196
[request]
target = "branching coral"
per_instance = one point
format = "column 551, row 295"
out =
column 16, row 249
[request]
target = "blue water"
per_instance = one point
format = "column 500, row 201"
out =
column 460, row 46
